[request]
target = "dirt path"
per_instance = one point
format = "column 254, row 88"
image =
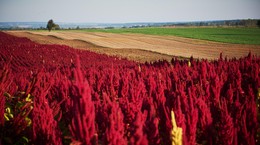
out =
column 139, row 45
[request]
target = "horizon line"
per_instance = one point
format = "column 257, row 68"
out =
column 132, row 22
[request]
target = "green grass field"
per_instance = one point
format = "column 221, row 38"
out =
column 226, row 35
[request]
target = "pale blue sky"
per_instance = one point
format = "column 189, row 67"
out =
column 122, row 11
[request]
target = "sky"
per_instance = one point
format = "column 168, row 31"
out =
column 125, row 11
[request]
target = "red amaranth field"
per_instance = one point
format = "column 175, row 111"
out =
column 54, row 94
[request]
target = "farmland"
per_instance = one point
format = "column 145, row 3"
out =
column 126, row 44
column 56, row 94
column 226, row 35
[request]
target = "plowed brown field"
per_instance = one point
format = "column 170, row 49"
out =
column 140, row 47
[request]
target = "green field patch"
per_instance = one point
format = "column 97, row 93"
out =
column 225, row 35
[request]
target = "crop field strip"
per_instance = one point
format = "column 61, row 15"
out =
column 169, row 45
column 138, row 55
column 226, row 35
column 55, row 94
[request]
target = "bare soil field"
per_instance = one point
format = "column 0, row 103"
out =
column 140, row 47
column 130, row 54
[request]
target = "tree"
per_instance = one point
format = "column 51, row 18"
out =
column 258, row 23
column 56, row 27
column 52, row 25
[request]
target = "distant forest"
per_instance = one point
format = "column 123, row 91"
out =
column 235, row 23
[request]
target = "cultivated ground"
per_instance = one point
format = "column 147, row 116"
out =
column 140, row 47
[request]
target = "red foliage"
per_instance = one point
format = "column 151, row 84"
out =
column 97, row 99
column 5, row 81
column 83, row 119
column 44, row 126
